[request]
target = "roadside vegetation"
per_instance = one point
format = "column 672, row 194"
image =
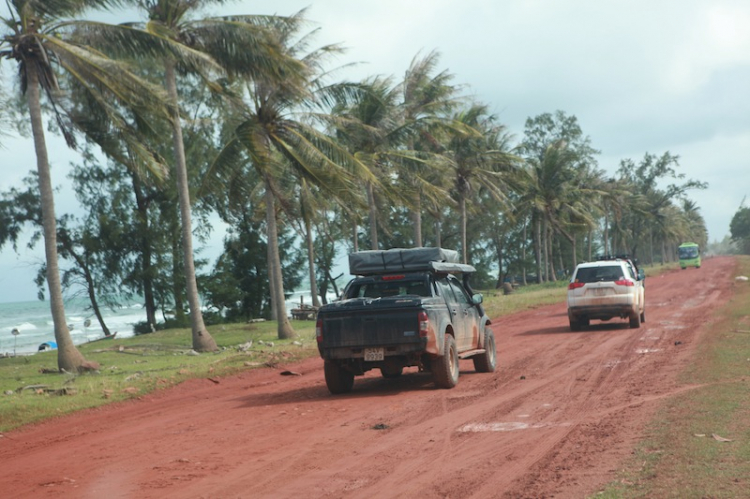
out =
column 33, row 389
column 698, row 445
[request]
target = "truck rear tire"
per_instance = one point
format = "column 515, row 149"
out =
column 338, row 379
column 487, row 361
column 445, row 367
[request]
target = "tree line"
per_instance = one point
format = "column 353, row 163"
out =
column 183, row 119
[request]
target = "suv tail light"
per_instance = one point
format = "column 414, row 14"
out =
column 574, row 285
column 319, row 331
column 424, row 323
column 625, row 282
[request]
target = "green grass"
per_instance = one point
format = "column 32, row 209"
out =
column 526, row 297
column 132, row 367
column 679, row 456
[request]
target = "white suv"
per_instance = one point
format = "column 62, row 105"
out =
column 605, row 289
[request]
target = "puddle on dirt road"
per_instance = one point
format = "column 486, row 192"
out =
column 671, row 325
column 483, row 427
column 510, row 426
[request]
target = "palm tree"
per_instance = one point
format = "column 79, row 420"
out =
column 427, row 100
column 696, row 224
column 478, row 149
column 38, row 39
column 367, row 124
column 206, row 47
column 279, row 139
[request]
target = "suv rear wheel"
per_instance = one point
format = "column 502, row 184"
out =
column 635, row 321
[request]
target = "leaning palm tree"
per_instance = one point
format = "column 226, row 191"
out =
column 427, row 100
column 367, row 123
column 558, row 191
column 478, row 151
column 39, row 39
column 276, row 138
column 206, row 47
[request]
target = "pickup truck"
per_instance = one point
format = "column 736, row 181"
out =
column 406, row 307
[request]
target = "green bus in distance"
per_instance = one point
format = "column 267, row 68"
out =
column 689, row 255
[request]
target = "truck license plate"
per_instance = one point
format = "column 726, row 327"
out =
column 373, row 354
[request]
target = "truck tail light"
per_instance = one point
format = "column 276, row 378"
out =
column 574, row 285
column 424, row 323
column 319, row 331
column 393, row 277
column 625, row 282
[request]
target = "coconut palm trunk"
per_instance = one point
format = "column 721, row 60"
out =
column 464, row 242
column 271, row 280
column 373, row 216
column 202, row 339
column 285, row 330
column 311, row 262
column 417, row 218
column 68, row 356
column 538, row 249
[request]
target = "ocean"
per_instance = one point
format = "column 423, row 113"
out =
column 32, row 321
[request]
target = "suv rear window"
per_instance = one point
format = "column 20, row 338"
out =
column 597, row 274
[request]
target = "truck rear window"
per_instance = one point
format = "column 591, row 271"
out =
column 384, row 289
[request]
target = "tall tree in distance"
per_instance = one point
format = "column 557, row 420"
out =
column 739, row 228
column 557, row 154
column 38, row 39
column 645, row 178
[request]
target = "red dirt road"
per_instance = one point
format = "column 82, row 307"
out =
column 556, row 420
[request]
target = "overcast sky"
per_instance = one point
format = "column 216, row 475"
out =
column 640, row 76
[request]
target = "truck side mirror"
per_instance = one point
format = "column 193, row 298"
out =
column 477, row 299
column 641, row 274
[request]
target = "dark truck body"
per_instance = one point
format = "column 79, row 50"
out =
column 406, row 308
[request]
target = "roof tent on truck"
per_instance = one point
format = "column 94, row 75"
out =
column 406, row 260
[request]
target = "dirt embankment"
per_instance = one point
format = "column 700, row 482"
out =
column 556, row 419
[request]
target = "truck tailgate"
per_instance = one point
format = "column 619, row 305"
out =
column 364, row 323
